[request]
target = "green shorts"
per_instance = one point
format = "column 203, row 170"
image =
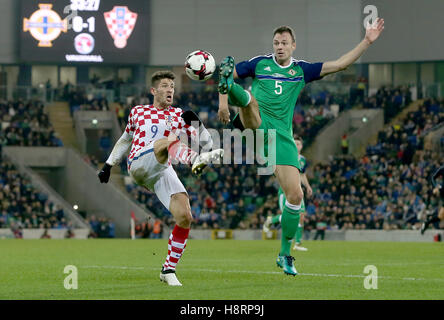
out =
column 282, row 142
column 286, row 151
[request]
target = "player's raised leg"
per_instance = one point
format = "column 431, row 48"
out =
column 234, row 94
column 289, row 180
column 170, row 148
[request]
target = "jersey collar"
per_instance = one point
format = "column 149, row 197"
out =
column 282, row 67
column 160, row 109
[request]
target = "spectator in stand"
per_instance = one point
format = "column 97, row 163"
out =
column 94, row 224
column 157, row 229
column 101, row 227
column 103, row 231
column 143, row 230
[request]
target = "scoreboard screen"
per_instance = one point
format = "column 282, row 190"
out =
column 84, row 31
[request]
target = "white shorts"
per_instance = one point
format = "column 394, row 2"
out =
column 156, row 177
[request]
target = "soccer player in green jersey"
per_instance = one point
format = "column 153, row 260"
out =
column 281, row 199
column 278, row 79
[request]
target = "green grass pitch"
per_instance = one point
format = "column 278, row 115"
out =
column 219, row 269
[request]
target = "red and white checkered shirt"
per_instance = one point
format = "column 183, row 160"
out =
column 147, row 124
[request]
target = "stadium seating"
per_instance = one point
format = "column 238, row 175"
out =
column 389, row 187
column 22, row 206
column 25, row 123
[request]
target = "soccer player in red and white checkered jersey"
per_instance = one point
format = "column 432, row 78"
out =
column 152, row 132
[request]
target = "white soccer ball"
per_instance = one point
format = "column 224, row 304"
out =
column 200, row 65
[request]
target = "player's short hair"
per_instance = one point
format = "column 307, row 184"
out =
column 283, row 29
column 159, row 75
column 299, row 138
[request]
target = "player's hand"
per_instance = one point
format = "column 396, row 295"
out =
column 309, row 192
column 374, row 30
column 105, row 173
column 224, row 114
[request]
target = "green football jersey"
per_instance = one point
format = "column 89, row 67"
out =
column 276, row 88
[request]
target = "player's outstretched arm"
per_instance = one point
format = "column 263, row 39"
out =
column 120, row 149
column 372, row 33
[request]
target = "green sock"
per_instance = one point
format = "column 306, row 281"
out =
column 289, row 223
column 276, row 219
column 238, row 96
column 298, row 236
column 232, row 101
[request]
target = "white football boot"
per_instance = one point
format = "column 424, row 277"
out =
column 204, row 159
column 267, row 224
column 169, row 276
column 299, row 248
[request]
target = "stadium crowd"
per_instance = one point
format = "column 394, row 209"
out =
column 79, row 99
column 391, row 99
column 23, row 207
column 101, row 227
column 25, row 123
column 388, row 188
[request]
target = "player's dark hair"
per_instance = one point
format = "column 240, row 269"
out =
column 159, row 75
column 299, row 138
column 283, row 29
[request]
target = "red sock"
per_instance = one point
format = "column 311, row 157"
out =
column 176, row 247
column 180, row 153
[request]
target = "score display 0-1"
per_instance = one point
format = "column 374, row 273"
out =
column 91, row 31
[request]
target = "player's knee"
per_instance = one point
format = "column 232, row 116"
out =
column 295, row 197
column 184, row 218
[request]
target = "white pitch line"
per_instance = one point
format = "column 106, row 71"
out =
column 113, row 267
column 266, row 272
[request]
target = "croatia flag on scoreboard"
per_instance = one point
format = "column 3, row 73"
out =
column 120, row 22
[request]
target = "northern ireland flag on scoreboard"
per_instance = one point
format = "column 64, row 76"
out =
column 120, row 22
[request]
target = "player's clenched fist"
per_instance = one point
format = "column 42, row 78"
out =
column 224, row 114
column 105, row 173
